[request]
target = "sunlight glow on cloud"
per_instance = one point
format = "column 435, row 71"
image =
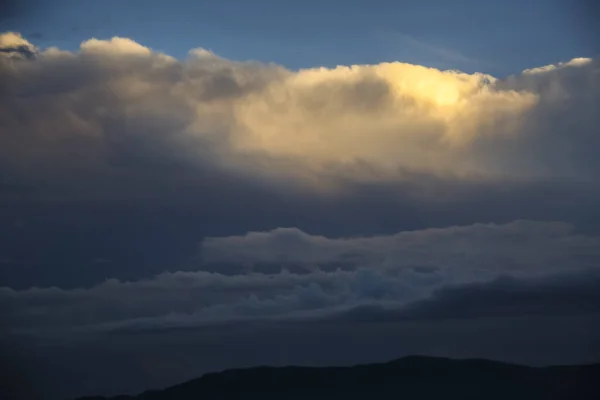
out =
column 115, row 45
column 12, row 39
column 316, row 126
column 576, row 62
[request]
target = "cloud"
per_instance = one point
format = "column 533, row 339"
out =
column 562, row 294
column 336, row 275
column 13, row 45
column 519, row 247
column 440, row 52
column 115, row 112
column 116, row 120
column 565, row 293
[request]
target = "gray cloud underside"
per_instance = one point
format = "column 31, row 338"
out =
column 482, row 270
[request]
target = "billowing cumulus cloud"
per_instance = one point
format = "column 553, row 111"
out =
column 118, row 120
column 243, row 200
column 319, row 276
column 115, row 111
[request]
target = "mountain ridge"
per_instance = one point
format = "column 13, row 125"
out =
column 421, row 377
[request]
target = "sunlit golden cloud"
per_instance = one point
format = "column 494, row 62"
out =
column 314, row 126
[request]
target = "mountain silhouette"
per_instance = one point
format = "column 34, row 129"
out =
column 414, row 377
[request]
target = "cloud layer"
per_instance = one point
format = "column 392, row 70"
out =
column 117, row 120
column 287, row 273
column 115, row 110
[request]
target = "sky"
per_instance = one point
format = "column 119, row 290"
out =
column 498, row 37
column 189, row 187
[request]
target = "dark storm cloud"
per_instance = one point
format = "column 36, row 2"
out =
column 565, row 294
column 569, row 294
column 389, row 271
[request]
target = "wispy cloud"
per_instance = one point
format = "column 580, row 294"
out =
column 445, row 53
column 412, row 49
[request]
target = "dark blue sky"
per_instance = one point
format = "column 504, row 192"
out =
column 497, row 37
